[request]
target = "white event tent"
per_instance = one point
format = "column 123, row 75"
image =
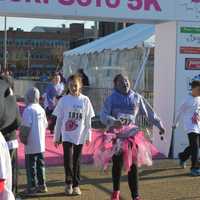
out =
column 122, row 51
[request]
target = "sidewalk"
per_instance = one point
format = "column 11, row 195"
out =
column 164, row 181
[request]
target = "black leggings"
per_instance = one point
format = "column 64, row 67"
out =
column 51, row 120
column 192, row 150
column 132, row 175
column 72, row 157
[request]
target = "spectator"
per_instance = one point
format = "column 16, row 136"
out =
column 63, row 80
column 10, row 136
column 84, row 77
column 53, row 92
column 8, row 113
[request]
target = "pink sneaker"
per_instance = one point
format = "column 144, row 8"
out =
column 137, row 198
column 115, row 195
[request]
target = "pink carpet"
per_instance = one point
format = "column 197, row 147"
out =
column 53, row 155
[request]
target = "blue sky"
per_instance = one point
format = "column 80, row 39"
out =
column 28, row 23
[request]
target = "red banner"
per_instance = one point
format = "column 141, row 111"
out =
column 192, row 63
column 190, row 50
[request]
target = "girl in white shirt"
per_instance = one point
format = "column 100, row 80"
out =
column 73, row 126
column 189, row 111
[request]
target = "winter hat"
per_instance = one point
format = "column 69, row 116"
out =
column 32, row 95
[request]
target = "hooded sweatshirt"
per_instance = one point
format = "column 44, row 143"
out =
column 118, row 104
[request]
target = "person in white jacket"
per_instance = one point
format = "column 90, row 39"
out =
column 5, row 171
column 189, row 112
column 74, row 112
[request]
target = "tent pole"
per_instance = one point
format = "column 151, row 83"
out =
column 96, row 26
column 142, row 68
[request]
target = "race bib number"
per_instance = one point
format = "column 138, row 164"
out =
column 125, row 118
column 73, row 121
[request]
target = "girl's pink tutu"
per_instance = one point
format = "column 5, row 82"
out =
column 128, row 140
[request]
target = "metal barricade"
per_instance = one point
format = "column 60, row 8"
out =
column 96, row 95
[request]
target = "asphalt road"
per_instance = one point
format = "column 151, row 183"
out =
column 164, row 181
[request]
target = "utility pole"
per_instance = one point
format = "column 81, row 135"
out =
column 28, row 63
column 5, row 43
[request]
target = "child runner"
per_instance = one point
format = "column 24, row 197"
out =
column 35, row 123
column 189, row 111
column 124, row 105
column 74, row 112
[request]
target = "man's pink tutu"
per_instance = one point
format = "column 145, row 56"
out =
column 128, row 140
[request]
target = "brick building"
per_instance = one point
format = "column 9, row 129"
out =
column 106, row 28
column 42, row 48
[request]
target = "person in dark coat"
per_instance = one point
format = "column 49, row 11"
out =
column 85, row 80
column 10, row 120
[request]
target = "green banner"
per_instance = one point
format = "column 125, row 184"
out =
column 193, row 30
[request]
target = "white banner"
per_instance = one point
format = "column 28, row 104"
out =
column 128, row 10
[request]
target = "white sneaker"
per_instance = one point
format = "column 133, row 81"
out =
column 77, row 191
column 68, row 189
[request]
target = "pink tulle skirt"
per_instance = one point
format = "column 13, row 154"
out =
column 136, row 149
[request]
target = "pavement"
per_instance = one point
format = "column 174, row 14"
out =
column 165, row 180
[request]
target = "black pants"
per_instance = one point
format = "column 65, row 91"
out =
column 13, row 156
column 192, row 150
column 51, row 120
column 72, row 157
column 132, row 175
column 35, row 169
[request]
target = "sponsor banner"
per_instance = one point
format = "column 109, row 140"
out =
column 190, row 50
column 193, row 30
column 192, row 63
